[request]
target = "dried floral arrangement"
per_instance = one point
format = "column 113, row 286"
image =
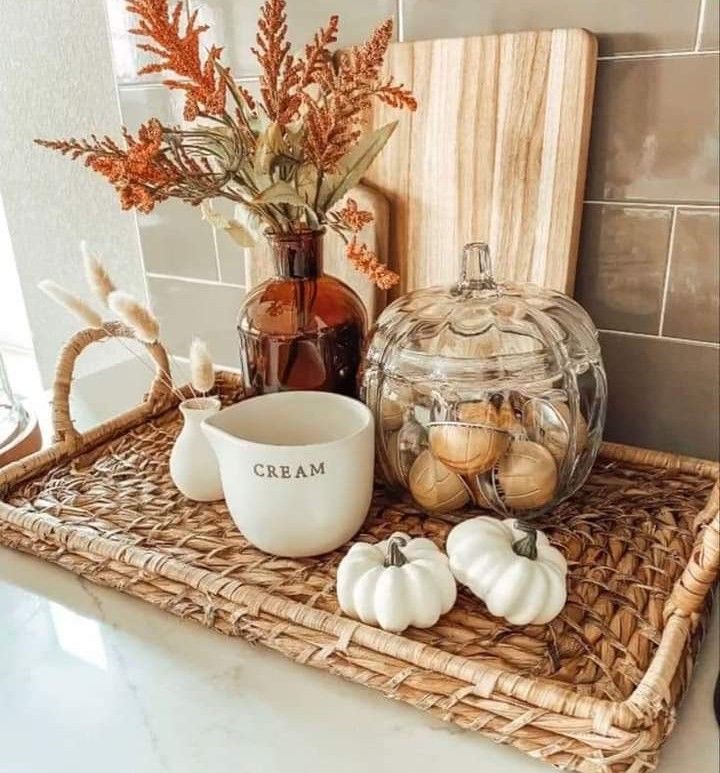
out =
column 286, row 161
column 134, row 315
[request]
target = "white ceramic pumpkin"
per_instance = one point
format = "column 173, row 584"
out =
column 396, row 583
column 511, row 566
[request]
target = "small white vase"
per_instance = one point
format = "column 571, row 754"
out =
column 193, row 464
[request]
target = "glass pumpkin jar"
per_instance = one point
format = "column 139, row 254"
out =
column 486, row 394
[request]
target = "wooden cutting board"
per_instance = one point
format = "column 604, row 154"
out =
column 496, row 152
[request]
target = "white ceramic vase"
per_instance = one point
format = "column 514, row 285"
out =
column 193, row 464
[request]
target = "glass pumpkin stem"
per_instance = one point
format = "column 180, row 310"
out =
column 526, row 546
column 395, row 556
column 476, row 268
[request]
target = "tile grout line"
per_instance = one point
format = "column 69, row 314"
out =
column 700, row 24
column 655, row 337
column 400, row 21
column 193, row 280
column 137, row 85
column 667, row 204
column 658, row 55
column 668, row 268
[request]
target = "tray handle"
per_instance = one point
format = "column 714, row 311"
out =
column 701, row 572
column 160, row 392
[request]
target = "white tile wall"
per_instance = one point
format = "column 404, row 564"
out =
column 188, row 308
column 231, row 257
column 175, row 240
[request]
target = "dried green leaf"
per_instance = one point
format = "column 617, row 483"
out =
column 280, row 192
column 269, row 146
column 306, row 182
column 353, row 166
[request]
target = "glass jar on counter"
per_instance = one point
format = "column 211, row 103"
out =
column 485, row 393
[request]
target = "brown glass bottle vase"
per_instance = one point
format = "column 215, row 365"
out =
column 301, row 329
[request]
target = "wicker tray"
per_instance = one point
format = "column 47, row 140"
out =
column 596, row 690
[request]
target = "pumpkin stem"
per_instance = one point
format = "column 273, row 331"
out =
column 395, row 556
column 526, row 546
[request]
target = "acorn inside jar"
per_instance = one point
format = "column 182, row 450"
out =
column 485, row 394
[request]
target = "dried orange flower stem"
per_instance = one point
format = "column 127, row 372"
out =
column 285, row 161
column 351, row 219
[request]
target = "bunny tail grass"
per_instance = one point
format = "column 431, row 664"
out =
column 202, row 374
column 97, row 277
column 76, row 306
column 136, row 316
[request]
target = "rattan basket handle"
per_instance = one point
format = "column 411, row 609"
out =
column 703, row 568
column 160, row 392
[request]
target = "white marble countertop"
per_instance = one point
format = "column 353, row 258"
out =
column 93, row 680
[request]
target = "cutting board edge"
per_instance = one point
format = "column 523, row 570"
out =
column 588, row 35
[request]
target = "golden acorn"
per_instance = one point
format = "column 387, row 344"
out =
column 465, row 448
column 527, row 476
column 391, row 414
column 435, row 487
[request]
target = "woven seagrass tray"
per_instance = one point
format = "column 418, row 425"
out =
column 595, row 690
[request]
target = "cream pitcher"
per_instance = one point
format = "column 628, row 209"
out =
column 296, row 469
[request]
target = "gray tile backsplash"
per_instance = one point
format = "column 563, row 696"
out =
column 621, row 270
column 231, row 256
column 662, row 394
column 175, row 240
column 710, row 33
column 693, row 302
column 622, row 26
column 654, row 132
column 139, row 103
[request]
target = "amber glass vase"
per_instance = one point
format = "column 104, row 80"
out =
column 302, row 329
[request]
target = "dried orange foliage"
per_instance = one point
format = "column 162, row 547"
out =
column 142, row 174
column 363, row 259
column 179, row 52
column 366, row 262
column 334, row 120
column 344, row 92
column 283, row 77
column 313, row 103
column 353, row 217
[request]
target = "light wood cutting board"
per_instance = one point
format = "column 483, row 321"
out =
column 496, row 152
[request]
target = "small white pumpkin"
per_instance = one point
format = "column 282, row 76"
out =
column 396, row 583
column 511, row 566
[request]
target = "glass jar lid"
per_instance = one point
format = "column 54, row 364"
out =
column 504, row 332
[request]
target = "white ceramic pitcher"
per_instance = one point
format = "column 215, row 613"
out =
column 297, row 469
